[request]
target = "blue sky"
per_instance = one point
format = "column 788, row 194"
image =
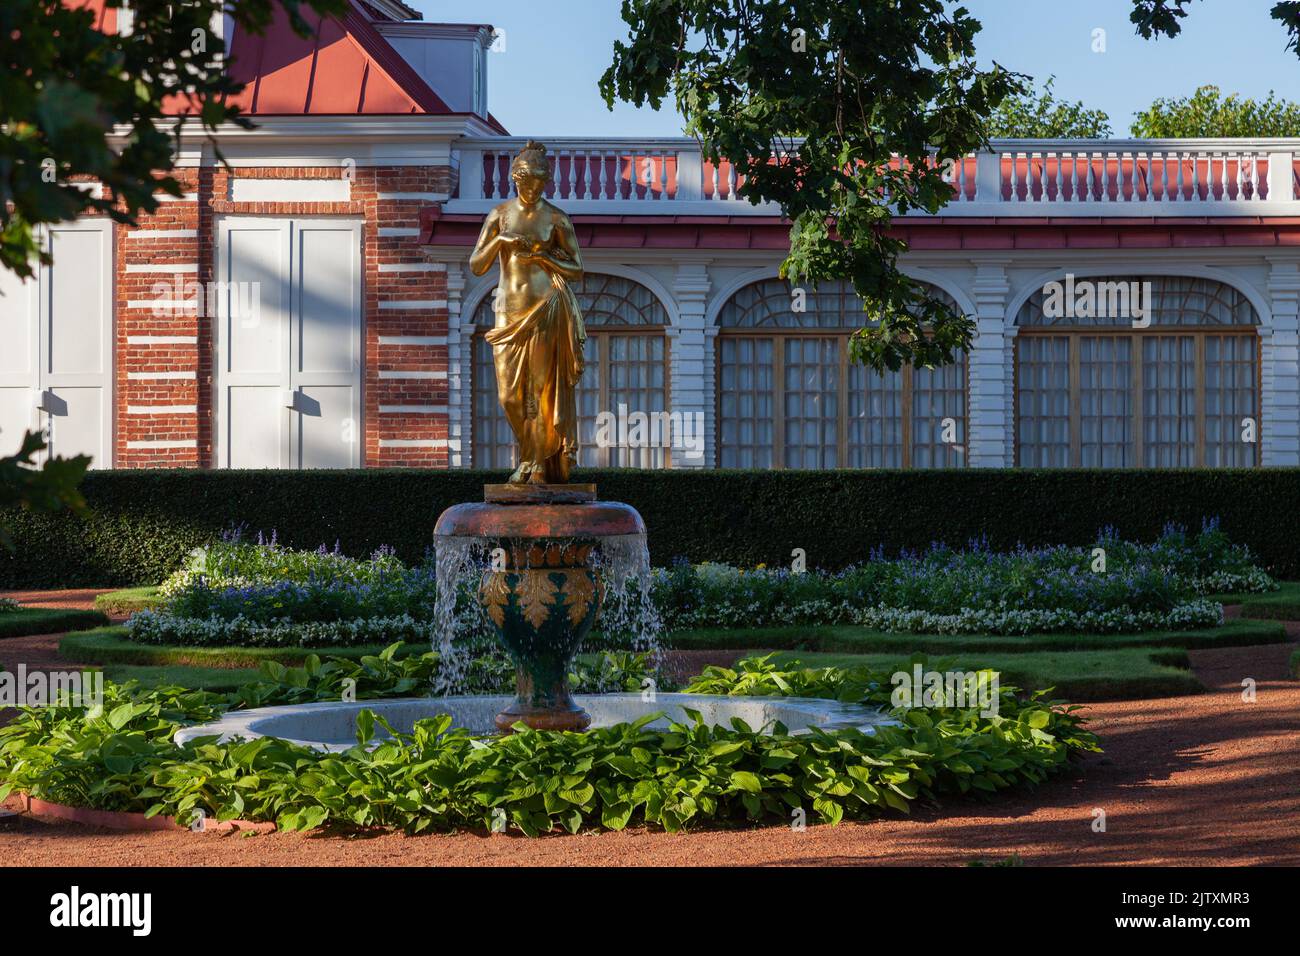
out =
column 1231, row 43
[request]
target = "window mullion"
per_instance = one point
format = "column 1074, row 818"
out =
column 1076, row 403
column 1136, row 358
column 842, row 426
column 905, row 399
column 1199, row 458
column 602, row 395
column 778, row 401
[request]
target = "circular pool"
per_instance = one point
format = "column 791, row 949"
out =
column 331, row 725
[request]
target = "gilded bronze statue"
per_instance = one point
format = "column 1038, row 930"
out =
column 538, row 340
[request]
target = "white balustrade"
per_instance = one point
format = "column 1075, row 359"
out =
column 1035, row 177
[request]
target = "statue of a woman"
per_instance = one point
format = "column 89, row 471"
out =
column 539, row 336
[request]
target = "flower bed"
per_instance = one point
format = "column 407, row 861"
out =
column 1113, row 587
column 438, row 778
column 263, row 595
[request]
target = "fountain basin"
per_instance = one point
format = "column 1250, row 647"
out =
column 590, row 520
column 544, row 587
column 331, row 726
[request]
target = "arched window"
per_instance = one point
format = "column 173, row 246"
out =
column 626, row 372
column 1137, row 371
column 788, row 396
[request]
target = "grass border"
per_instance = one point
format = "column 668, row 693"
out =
column 1161, row 672
column 853, row 639
column 27, row 621
column 128, row 600
column 106, row 646
column 1280, row 605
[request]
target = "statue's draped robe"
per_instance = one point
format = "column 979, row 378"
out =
column 538, row 362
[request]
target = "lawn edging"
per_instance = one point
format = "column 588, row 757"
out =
column 110, row 645
column 1280, row 605
column 853, row 639
column 26, row 621
column 129, row 600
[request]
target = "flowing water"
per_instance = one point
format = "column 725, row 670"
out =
column 628, row 619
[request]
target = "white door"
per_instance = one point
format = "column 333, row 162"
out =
column 56, row 346
column 289, row 343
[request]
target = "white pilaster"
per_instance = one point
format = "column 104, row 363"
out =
column 460, row 359
column 690, row 344
column 1280, row 362
column 991, row 418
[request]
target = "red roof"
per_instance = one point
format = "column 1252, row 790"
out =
column 345, row 68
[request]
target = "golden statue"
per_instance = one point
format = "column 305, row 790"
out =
column 539, row 336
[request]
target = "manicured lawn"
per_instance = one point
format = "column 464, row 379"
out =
column 128, row 600
column 1125, row 673
column 43, row 620
column 194, row 678
column 110, row 646
column 1280, row 605
column 849, row 639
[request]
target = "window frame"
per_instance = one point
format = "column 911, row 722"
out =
column 779, row 334
column 1075, row 333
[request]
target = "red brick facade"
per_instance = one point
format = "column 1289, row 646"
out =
column 164, row 397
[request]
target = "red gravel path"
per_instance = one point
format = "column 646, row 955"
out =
column 1202, row 780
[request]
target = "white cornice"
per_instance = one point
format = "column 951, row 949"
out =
column 414, row 140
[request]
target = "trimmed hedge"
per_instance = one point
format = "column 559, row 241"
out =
column 145, row 521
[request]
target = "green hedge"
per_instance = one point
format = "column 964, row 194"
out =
column 145, row 520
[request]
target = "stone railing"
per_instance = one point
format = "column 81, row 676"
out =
column 1189, row 177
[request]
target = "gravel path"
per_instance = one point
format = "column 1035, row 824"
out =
column 1202, row 780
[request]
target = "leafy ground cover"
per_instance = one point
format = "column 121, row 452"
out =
column 439, row 778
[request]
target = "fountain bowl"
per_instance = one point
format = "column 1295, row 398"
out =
column 331, row 726
column 544, row 587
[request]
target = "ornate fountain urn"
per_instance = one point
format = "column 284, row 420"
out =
column 543, row 589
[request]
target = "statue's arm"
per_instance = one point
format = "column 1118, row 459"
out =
column 566, row 260
column 488, row 245
column 567, row 240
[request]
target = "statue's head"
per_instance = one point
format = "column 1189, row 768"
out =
column 530, row 171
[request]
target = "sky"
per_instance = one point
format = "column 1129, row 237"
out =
column 544, row 80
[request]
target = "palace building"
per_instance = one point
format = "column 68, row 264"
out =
column 310, row 306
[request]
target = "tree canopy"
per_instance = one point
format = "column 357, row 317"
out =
column 1034, row 115
column 843, row 113
column 67, row 87
column 1157, row 18
column 1208, row 113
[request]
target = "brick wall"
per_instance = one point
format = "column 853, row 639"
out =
column 165, row 404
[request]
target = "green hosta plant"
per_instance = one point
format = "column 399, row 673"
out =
column 440, row 778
